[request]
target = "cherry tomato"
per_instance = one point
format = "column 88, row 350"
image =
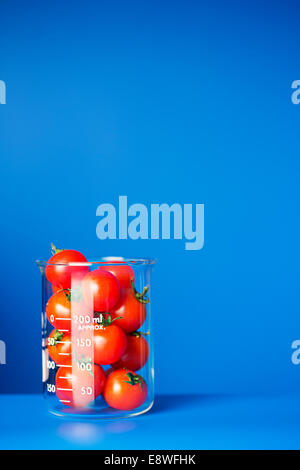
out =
column 58, row 310
column 55, row 289
column 132, row 311
column 109, row 371
column 60, row 347
column 123, row 272
column 125, row 390
column 61, row 275
column 101, row 288
column 110, row 343
column 81, row 387
column 136, row 354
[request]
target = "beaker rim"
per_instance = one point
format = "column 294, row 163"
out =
column 103, row 261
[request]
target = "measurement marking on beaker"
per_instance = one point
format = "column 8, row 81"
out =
column 69, row 319
column 62, row 365
column 65, row 389
column 63, row 330
column 64, row 354
column 67, row 378
column 63, row 342
column 65, row 401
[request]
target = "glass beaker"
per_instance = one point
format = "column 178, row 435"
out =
column 97, row 347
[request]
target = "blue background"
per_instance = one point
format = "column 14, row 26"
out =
column 175, row 422
column 169, row 101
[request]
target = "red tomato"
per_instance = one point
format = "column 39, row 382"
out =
column 109, row 371
column 79, row 388
column 132, row 311
column 125, row 390
column 102, row 289
column 123, row 272
column 110, row 343
column 55, row 289
column 60, row 347
column 136, row 354
column 61, row 275
column 58, row 311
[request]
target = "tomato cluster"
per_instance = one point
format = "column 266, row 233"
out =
column 96, row 315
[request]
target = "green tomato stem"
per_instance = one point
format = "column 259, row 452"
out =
column 140, row 296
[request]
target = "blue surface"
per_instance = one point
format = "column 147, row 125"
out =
column 181, row 101
column 175, row 422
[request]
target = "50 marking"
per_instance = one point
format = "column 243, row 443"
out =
column 51, row 388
